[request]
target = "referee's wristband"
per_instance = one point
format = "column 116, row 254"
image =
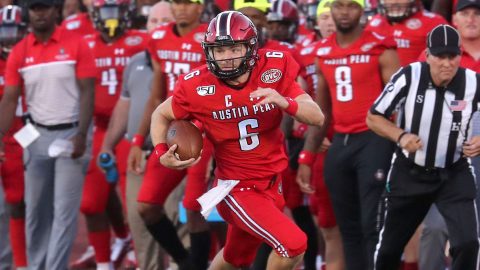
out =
column 400, row 138
column 306, row 157
column 292, row 107
column 160, row 149
column 138, row 140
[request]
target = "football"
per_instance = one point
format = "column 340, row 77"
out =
column 187, row 137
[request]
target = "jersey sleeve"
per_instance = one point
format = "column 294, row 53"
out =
column 289, row 85
column 389, row 43
column 180, row 102
column 85, row 61
column 14, row 62
column 393, row 94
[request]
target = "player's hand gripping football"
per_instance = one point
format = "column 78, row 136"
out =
column 269, row 96
column 169, row 160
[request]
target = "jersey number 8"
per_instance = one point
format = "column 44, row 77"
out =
column 343, row 78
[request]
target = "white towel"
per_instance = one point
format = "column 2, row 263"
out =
column 214, row 196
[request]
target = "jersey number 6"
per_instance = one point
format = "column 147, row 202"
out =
column 248, row 141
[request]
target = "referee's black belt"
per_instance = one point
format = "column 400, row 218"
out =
column 56, row 127
column 417, row 169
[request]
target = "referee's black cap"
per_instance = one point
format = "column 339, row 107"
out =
column 443, row 39
column 462, row 4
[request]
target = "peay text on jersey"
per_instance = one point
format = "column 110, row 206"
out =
column 352, row 59
column 179, row 55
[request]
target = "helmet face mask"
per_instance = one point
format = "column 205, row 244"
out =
column 111, row 17
column 397, row 12
column 12, row 28
column 230, row 33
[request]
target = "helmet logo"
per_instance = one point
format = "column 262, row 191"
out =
column 271, row 75
column 221, row 38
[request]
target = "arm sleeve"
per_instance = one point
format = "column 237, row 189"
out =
column 180, row 103
column 85, row 61
column 288, row 84
column 12, row 74
column 393, row 94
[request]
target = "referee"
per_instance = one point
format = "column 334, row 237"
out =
column 435, row 101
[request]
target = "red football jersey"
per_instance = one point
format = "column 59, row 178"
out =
column 175, row 54
column 410, row 34
column 275, row 45
column 247, row 139
column 353, row 77
column 17, row 122
column 110, row 61
column 309, row 73
column 79, row 23
column 305, row 36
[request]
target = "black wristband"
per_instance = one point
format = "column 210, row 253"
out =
column 400, row 137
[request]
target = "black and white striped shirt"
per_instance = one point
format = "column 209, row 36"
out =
column 439, row 116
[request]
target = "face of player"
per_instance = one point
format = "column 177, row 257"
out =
column 467, row 22
column 229, row 57
column 186, row 13
column 443, row 67
column 159, row 13
column 258, row 18
column 397, row 8
column 279, row 31
column 346, row 14
column 325, row 24
column 70, row 7
column 42, row 18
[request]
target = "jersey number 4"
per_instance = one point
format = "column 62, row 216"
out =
column 109, row 79
column 343, row 79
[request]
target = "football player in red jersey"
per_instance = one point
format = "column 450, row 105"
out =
column 409, row 24
column 12, row 30
column 283, row 21
column 80, row 22
column 112, row 44
column 241, row 115
column 320, row 199
column 175, row 49
column 358, row 160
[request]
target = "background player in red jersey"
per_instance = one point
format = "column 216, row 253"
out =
column 357, row 161
column 242, row 118
column 112, row 45
column 80, row 23
column 175, row 49
column 320, row 199
column 409, row 25
column 12, row 30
